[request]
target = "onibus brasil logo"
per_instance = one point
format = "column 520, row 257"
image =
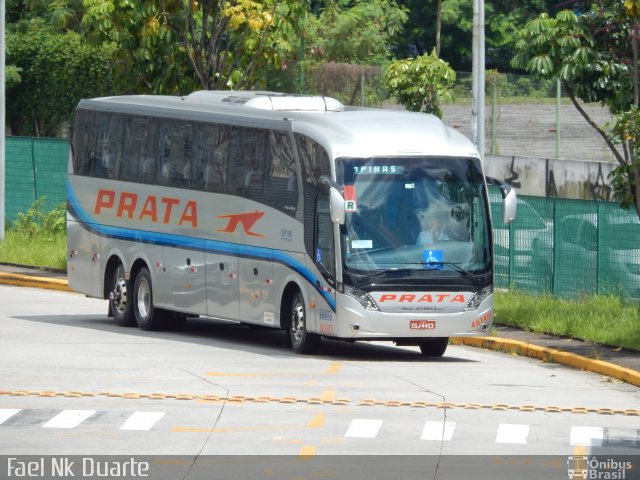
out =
column 591, row 467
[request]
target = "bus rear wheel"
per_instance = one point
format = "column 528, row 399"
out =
column 119, row 298
column 434, row 347
column 147, row 317
column 301, row 340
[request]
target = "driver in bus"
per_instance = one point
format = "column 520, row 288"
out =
column 433, row 224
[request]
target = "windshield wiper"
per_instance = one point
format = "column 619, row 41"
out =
column 454, row 266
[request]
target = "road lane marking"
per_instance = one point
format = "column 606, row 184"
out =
column 7, row 413
column 317, row 421
column 142, row 421
column 307, row 451
column 363, row 428
column 326, row 398
column 512, row 433
column 333, row 369
column 587, row 436
column 69, row 419
column 438, row 431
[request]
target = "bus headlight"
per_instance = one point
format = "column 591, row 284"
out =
column 478, row 297
column 363, row 298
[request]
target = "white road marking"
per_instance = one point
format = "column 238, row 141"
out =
column 512, row 433
column 587, row 436
column 142, row 421
column 363, row 428
column 7, row 413
column 69, row 419
column 438, row 431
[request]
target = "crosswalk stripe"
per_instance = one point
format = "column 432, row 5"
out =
column 587, row 436
column 7, row 413
column 438, row 431
column 363, row 428
column 512, row 433
column 142, row 421
column 69, row 419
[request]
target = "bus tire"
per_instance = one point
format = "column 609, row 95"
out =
column 434, row 347
column 301, row 340
column 147, row 317
column 120, row 304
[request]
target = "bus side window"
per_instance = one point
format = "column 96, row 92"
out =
column 314, row 163
column 324, row 254
column 214, row 174
column 113, row 147
column 281, row 180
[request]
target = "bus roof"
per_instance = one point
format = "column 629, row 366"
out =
column 343, row 131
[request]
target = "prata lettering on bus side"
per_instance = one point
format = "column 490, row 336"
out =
column 153, row 208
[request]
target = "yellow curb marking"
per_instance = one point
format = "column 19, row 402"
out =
column 551, row 355
column 21, row 280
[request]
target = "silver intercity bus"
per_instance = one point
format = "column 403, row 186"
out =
column 284, row 211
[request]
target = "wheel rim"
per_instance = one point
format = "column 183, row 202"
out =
column 297, row 322
column 144, row 298
column 119, row 296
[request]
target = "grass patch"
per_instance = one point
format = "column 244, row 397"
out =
column 605, row 320
column 37, row 238
column 38, row 250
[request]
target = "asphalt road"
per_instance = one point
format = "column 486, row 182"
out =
column 74, row 383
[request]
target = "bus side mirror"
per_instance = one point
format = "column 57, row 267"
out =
column 336, row 202
column 509, row 204
column 509, row 199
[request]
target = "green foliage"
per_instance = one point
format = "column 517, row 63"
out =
column 590, row 55
column 37, row 220
column 625, row 179
column 355, row 32
column 420, row 84
column 176, row 46
column 56, row 71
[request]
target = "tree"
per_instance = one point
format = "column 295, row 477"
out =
column 176, row 46
column 421, row 83
column 355, row 32
column 504, row 19
column 343, row 46
column 50, row 73
column 595, row 58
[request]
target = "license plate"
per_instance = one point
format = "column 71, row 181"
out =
column 422, row 324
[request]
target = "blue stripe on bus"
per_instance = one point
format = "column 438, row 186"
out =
column 191, row 243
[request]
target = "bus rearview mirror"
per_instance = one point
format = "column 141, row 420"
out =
column 509, row 204
column 336, row 202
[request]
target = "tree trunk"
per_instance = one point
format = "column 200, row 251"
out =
column 438, row 27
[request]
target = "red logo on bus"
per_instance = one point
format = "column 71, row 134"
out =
column 248, row 220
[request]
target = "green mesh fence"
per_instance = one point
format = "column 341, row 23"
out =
column 34, row 168
column 568, row 248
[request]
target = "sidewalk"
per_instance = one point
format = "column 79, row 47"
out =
column 620, row 364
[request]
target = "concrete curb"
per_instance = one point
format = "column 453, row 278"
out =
column 552, row 355
column 34, row 282
column 490, row 343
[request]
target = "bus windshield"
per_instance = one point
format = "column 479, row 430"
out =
column 414, row 214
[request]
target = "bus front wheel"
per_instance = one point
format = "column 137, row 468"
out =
column 147, row 317
column 301, row 340
column 434, row 347
column 120, row 298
